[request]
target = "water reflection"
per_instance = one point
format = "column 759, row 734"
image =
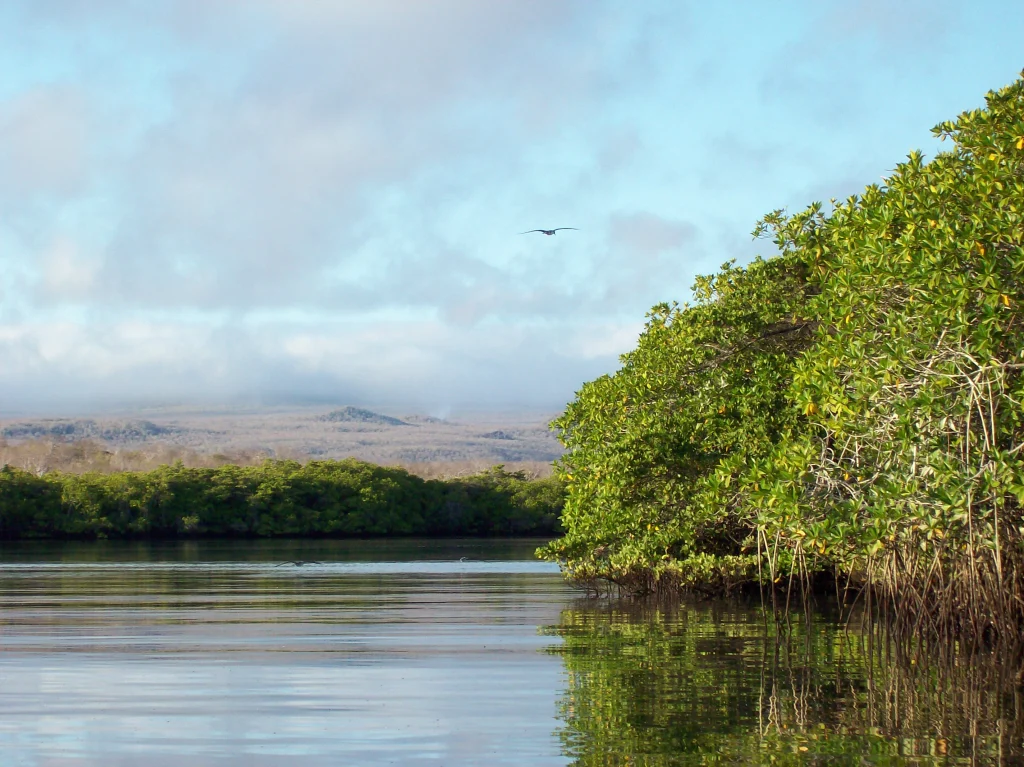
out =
column 268, row 551
column 444, row 652
column 707, row 683
column 212, row 654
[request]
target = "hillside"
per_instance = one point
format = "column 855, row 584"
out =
column 351, row 414
column 114, row 431
column 213, row 437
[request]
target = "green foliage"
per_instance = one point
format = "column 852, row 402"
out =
column 279, row 498
column 911, row 472
column 29, row 503
column 705, row 683
column 855, row 404
column 652, row 451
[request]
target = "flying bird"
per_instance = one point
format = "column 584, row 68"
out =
column 550, row 232
column 299, row 562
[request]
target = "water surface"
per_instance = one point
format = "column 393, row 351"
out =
column 444, row 653
column 387, row 653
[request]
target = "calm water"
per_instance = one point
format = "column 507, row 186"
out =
column 441, row 653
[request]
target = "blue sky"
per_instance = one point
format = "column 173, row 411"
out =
column 321, row 200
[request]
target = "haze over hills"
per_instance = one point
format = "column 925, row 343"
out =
column 308, row 432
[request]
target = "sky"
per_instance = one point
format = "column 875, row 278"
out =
column 320, row 201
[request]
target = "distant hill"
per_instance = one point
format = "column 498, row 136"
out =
column 84, row 428
column 250, row 435
column 500, row 434
column 412, row 420
column 359, row 415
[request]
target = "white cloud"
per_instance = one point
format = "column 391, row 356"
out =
column 602, row 341
column 66, row 272
column 425, row 364
column 323, row 198
column 44, row 144
column 647, row 234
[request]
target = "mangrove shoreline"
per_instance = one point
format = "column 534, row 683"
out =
column 347, row 498
column 853, row 406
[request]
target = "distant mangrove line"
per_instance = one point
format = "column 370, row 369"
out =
column 276, row 498
column 853, row 406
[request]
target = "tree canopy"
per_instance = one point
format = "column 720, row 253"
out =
column 854, row 404
column 277, row 498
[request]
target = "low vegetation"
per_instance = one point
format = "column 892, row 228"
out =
column 275, row 498
column 84, row 429
column 853, row 406
column 214, row 436
column 42, row 456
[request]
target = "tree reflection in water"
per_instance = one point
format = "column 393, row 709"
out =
column 711, row 683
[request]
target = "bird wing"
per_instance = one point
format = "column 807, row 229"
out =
column 565, row 227
column 532, row 230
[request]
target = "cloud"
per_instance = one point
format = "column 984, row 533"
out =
column 325, row 198
column 263, row 178
column 67, row 273
column 289, row 138
column 816, row 70
column 646, row 234
column 918, row 24
column 44, row 144
column 424, row 364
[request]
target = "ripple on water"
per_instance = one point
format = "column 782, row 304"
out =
column 407, row 654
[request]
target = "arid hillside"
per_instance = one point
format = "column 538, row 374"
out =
column 426, row 445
